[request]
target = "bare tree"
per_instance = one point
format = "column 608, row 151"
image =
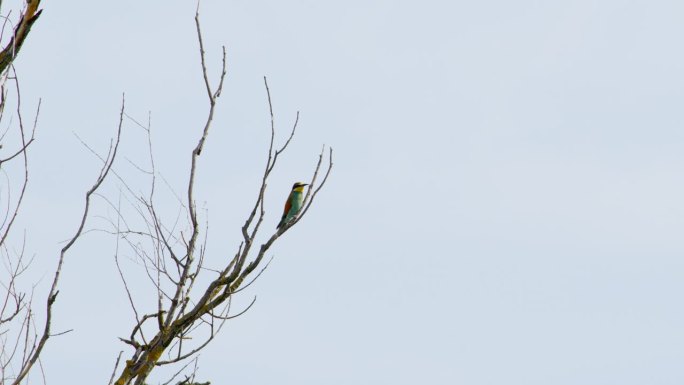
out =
column 193, row 301
column 22, row 340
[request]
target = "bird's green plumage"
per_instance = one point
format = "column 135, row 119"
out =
column 293, row 204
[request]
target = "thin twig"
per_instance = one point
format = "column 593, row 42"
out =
column 52, row 296
column 116, row 365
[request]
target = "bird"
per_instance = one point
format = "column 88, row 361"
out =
column 293, row 203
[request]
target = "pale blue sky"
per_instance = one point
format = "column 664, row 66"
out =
column 505, row 208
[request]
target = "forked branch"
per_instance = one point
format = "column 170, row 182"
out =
column 54, row 289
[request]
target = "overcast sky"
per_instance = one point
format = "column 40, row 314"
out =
column 506, row 205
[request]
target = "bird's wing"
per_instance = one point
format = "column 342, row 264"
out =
column 288, row 205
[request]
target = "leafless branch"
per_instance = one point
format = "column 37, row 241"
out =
column 116, row 366
column 23, row 152
column 54, row 291
column 180, row 371
column 28, row 17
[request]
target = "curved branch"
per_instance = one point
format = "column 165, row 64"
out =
column 52, row 296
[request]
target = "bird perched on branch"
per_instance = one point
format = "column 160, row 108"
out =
column 293, row 203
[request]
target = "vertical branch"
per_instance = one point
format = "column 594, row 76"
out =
column 22, row 151
column 270, row 165
column 190, row 247
column 14, row 303
column 309, row 201
column 116, row 365
column 52, row 296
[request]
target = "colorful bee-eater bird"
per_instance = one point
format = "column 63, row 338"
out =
column 293, row 203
